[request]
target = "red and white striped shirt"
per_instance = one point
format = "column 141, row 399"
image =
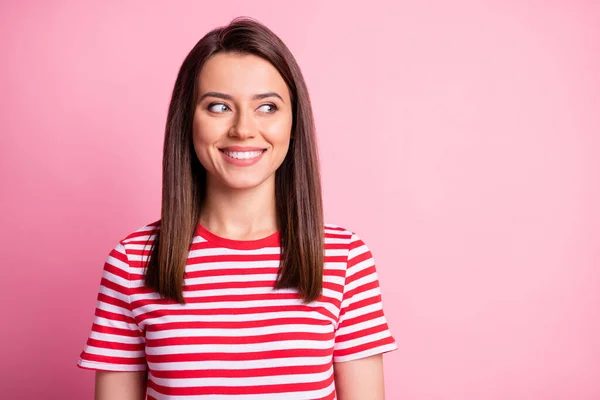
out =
column 236, row 336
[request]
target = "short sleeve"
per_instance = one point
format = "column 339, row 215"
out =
column 362, row 329
column 115, row 342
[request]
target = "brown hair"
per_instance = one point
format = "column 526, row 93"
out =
column 298, row 199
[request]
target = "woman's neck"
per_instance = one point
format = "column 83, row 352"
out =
column 240, row 214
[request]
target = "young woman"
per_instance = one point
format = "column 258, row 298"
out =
column 240, row 290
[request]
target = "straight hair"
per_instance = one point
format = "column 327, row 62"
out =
column 298, row 197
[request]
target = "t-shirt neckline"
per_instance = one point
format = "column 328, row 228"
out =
column 268, row 241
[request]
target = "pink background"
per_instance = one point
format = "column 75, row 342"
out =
column 462, row 142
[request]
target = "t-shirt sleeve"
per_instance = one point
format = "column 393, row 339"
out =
column 362, row 329
column 115, row 342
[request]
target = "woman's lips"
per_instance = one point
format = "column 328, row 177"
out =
column 248, row 156
column 242, row 148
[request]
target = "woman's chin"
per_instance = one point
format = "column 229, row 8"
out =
column 243, row 183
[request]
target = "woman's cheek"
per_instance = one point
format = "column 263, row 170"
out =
column 279, row 129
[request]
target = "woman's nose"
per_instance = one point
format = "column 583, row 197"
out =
column 243, row 127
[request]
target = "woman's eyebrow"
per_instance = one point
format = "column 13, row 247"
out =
column 225, row 96
column 261, row 96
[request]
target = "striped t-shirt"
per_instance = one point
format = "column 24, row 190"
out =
column 236, row 336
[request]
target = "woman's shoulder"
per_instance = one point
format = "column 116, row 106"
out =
column 339, row 232
column 347, row 237
column 334, row 229
column 143, row 233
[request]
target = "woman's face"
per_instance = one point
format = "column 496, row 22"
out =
column 243, row 120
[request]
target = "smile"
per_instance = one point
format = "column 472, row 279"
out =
column 243, row 155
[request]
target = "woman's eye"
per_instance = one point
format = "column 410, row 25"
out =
column 268, row 108
column 217, row 107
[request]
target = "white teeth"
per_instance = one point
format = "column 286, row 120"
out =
column 243, row 155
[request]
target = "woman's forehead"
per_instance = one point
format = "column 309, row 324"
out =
column 241, row 75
